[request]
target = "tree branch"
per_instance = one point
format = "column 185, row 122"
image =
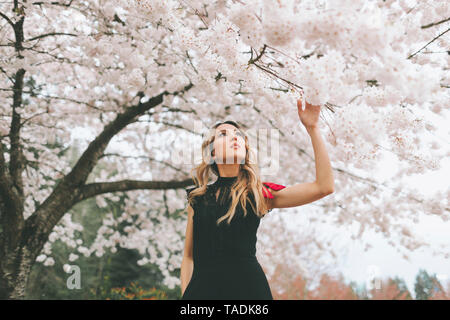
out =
column 94, row 189
column 435, row 23
column 412, row 55
column 252, row 61
column 7, row 19
column 144, row 157
column 52, row 34
column 39, row 3
column 69, row 191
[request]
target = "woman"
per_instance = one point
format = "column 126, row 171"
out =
column 219, row 260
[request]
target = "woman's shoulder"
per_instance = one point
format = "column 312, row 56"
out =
column 189, row 189
column 201, row 197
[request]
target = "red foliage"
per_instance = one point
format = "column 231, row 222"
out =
column 292, row 285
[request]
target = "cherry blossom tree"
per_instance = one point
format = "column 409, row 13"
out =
column 140, row 73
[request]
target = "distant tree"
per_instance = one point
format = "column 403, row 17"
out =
column 289, row 284
column 443, row 294
column 391, row 290
column 426, row 285
column 294, row 290
column 332, row 288
column 401, row 284
column 360, row 290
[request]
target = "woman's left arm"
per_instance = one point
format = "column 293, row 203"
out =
column 324, row 173
column 302, row 193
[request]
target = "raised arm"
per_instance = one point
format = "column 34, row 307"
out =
column 302, row 193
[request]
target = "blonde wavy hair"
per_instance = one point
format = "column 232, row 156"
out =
column 247, row 182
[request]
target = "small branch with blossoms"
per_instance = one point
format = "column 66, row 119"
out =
column 268, row 70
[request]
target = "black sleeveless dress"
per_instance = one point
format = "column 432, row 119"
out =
column 225, row 264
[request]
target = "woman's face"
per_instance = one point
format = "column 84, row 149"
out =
column 226, row 137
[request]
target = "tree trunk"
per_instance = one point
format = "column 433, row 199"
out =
column 15, row 269
column 17, row 260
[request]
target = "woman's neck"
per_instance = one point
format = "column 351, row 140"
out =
column 228, row 170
